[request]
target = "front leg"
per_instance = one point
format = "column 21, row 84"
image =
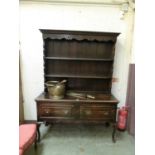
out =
column 38, row 132
column 113, row 133
column 46, row 123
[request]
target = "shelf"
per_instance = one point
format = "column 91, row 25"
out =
column 84, row 59
column 78, row 59
column 78, row 76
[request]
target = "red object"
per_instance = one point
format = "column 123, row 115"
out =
column 27, row 136
column 122, row 118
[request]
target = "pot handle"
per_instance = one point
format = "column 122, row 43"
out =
column 46, row 84
column 63, row 81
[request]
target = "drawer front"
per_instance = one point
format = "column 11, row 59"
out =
column 97, row 112
column 55, row 110
column 77, row 111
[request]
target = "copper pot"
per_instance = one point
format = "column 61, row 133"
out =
column 56, row 89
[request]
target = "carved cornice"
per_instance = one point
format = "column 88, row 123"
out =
column 80, row 35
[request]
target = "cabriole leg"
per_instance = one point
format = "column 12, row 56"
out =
column 113, row 133
column 35, row 143
column 38, row 132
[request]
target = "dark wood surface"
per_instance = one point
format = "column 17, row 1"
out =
column 85, row 60
column 99, row 98
column 103, row 107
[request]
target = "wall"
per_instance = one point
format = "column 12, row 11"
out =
column 35, row 16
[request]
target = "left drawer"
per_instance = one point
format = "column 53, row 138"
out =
column 55, row 110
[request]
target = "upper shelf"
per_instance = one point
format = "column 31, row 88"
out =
column 79, row 76
column 79, row 35
column 78, row 59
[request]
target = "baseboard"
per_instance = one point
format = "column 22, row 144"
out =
column 29, row 121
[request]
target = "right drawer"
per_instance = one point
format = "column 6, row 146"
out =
column 97, row 112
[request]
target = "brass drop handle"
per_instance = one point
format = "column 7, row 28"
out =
column 113, row 111
column 106, row 113
column 46, row 111
column 88, row 112
column 66, row 112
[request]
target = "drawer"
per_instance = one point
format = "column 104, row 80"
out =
column 97, row 112
column 54, row 110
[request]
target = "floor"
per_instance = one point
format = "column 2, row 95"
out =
column 82, row 140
